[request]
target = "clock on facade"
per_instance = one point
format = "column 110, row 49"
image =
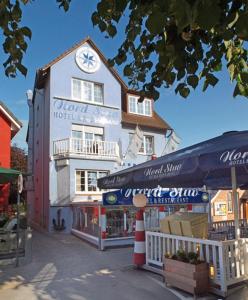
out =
column 87, row 60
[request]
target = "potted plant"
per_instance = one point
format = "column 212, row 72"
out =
column 187, row 272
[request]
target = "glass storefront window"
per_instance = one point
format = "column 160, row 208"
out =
column 115, row 223
column 151, row 218
column 131, row 219
column 86, row 219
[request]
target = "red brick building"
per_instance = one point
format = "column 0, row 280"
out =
column 9, row 126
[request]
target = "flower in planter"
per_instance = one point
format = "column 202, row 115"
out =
column 181, row 255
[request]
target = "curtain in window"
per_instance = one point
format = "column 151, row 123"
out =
column 92, row 181
column 87, row 91
column 149, row 145
column 147, row 104
column 140, row 108
column 98, row 93
column 80, row 181
column 76, row 89
column 132, row 104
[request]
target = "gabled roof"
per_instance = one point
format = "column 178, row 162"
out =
column 15, row 123
column 42, row 72
column 155, row 121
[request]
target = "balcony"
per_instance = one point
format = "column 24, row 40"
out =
column 87, row 149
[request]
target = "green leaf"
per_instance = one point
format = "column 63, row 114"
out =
column 155, row 22
column 241, row 90
column 22, row 69
column 127, row 71
column 206, row 13
column 155, row 95
column 236, row 91
column 218, row 67
column 26, row 31
column 184, row 92
column 112, row 30
column 111, row 62
column 141, row 77
column 244, row 77
column 211, row 79
column 242, row 26
column 180, row 74
column 10, row 71
column 228, row 35
column 182, row 11
column 149, row 65
column 170, row 77
column 102, row 25
column 192, row 80
column 16, row 12
column 65, row 4
column 95, row 18
column 192, row 67
column 231, row 69
column 179, row 86
column 205, row 85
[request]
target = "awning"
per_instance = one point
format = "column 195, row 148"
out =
column 8, row 175
column 204, row 164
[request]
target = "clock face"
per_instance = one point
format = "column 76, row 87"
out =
column 87, row 60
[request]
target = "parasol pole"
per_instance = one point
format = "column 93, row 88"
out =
column 20, row 187
column 235, row 202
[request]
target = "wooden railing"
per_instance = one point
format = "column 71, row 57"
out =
column 87, row 148
column 226, row 229
column 228, row 224
column 228, row 260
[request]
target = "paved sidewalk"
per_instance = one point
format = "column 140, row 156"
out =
column 64, row 267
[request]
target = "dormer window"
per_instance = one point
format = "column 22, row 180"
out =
column 140, row 108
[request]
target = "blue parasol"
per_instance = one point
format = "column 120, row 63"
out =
column 218, row 163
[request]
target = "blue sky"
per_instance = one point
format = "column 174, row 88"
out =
column 200, row 116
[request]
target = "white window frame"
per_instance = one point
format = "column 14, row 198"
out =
column 146, row 100
column 98, row 191
column 88, row 129
column 144, row 143
column 81, row 99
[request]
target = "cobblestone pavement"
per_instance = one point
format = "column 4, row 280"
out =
column 64, row 267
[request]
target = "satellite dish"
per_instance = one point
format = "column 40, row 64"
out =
column 139, row 200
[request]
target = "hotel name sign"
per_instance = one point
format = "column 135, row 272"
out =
column 85, row 113
column 159, row 195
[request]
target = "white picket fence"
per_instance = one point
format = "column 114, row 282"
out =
column 228, row 260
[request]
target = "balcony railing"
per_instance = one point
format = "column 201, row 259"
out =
column 86, row 148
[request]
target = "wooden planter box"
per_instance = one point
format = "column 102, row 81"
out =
column 185, row 276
